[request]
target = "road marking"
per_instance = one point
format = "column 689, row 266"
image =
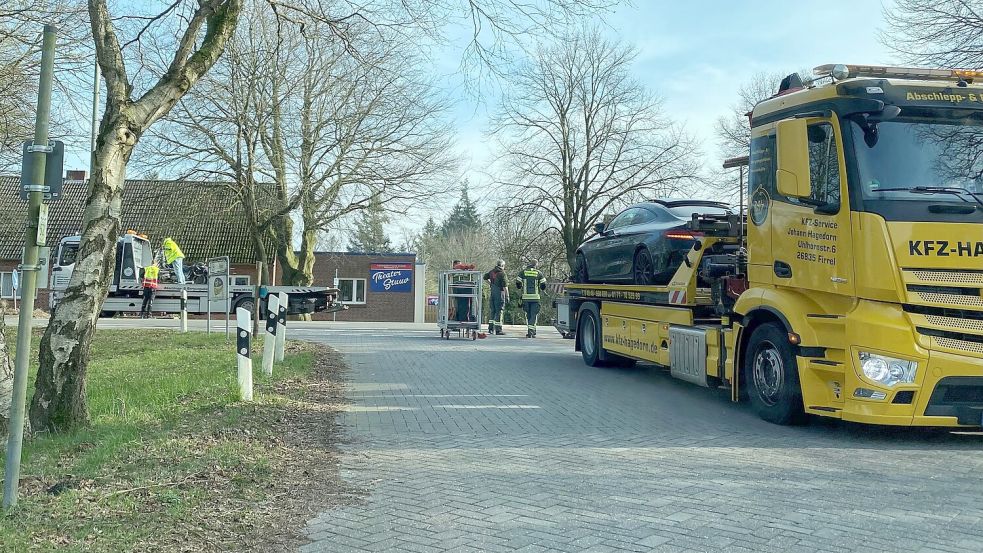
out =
column 445, row 395
column 488, row 406
column 376, row 409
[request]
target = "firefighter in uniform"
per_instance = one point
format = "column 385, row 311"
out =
column 499, row 297
column 531, row 281
column 150, row 284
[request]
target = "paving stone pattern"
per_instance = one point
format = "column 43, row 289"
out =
column 509, row 444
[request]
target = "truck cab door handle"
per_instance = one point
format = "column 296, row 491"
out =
column 783, row 270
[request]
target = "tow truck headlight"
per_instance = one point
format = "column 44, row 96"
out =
column 888, row 371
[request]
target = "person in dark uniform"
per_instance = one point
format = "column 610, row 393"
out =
column 499, row 297
column 531, row 281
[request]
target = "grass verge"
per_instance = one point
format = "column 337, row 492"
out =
column 173, row 461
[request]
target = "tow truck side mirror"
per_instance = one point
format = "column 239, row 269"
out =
column 792, row 176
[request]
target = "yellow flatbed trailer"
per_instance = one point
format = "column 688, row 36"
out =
column 856, row 289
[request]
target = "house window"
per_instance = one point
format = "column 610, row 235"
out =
column 7, row 286
column 352, row 290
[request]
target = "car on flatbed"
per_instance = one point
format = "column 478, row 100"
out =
column 644, row 244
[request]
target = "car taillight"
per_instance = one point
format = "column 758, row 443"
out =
column 677, row 234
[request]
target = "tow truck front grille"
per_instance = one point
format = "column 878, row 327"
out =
column 947, row 295
column 947, row 277
column 951, row 322
column 954, row 340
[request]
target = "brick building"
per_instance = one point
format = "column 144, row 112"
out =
column 376, row 287
column 206, row 221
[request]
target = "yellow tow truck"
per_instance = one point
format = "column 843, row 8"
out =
column 852, row 285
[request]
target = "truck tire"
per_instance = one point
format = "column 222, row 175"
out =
column 245, row 302
column 589, row 332
column 771, row 375
column 591, row 340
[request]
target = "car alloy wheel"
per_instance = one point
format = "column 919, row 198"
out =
column 643, row 268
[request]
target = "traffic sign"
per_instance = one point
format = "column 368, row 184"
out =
column 54, row 168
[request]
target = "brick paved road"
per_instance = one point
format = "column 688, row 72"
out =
column 508, row 444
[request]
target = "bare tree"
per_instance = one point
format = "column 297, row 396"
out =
column 21, row 22
column 16, row 87
column 734, row 129
column 309, row 133
column 201, row 30
column 527, row 236
column 943, row 33
column 581, row 136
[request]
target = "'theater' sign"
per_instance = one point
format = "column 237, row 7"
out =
column 391, row 277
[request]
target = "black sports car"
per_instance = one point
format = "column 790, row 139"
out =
column 644, row 244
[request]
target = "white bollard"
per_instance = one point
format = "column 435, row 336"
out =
column 269, row 340
column 281, row 327
column 184, row 310
column 243, row 362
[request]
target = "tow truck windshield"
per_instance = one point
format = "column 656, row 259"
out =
column 921, row 163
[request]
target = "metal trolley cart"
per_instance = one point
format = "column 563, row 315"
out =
column 459, row 303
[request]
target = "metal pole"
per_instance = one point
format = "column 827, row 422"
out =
column 334, row 315
column 228, row 303
column 29, row 271
column 184, row 310
column 740, row 189
column 208, row 316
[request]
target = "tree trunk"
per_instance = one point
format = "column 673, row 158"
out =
column 571, row 251
column 256, row 233
column 59, row 401
column 6, row 377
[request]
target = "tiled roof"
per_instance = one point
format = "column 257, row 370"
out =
column 203, row 217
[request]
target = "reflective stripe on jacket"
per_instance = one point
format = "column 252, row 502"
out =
column 171, row 251
column 531, row 281
column 150, row 276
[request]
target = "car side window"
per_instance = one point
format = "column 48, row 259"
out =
column 624, row 219
column 643, row 216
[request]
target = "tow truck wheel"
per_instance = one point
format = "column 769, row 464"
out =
column 247, row 303
column 590, row 338
column 772, row 376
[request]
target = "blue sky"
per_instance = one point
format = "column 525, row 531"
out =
column 696, row 55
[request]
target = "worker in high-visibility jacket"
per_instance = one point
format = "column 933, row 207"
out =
column 151, row 274
column 175, row 258
column 530, row 282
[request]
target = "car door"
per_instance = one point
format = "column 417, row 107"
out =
column 603, row 253
column 630, row 236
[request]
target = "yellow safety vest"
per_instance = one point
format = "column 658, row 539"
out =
column 531, row 280
column 150, row 275
column 171, row 251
